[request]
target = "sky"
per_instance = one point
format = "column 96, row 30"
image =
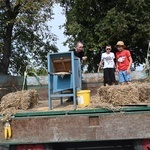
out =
column 59, row 19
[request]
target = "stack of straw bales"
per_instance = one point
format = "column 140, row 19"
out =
column 135, row 93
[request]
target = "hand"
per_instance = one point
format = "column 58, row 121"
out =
column 117, row 70
column 128, row 71
column 84, row 58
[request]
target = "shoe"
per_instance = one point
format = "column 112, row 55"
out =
column 70, row 99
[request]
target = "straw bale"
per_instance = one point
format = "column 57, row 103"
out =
column 144, row 91
column 24, row 99
column 119, row 94
column 8, row 113
column 147, row 79
column 135, row 93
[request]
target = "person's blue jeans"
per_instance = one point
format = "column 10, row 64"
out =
column 124, row 77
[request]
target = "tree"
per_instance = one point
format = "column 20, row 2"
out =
column 99, row 22
column 25, row 36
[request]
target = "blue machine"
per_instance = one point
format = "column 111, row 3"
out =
column 64, row 76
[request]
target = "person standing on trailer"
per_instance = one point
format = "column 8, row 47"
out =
column 78, row 52
column 107, row 59
column 123, row 63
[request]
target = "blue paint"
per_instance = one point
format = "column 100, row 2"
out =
column 64, row 73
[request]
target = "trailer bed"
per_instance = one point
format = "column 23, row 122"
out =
column 42, row 125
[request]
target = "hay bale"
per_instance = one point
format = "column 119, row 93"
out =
column 103, row 92
column 119, row 95
column 147, row 79
column 144, row 91
column 135, row 93
column 8, row 113
column 29, row 99
column 24, row 99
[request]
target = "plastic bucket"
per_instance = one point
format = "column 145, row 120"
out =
column 83, row 97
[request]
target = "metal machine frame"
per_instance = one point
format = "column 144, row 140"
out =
column 64, row 76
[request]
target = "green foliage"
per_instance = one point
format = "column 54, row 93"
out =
column 99, row 22
column 30, row 38
column 37, row 72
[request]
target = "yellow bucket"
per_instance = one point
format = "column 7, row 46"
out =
column 83, row 97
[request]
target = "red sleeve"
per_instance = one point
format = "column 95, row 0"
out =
column 128, row 53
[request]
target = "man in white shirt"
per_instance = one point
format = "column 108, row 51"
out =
column 107, row 59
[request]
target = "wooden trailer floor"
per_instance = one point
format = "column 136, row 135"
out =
column 57, row 106
column 43, row 106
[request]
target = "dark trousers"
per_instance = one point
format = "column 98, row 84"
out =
column 109, row 76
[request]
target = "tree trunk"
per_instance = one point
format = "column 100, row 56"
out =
column 6, row 50
column 11, row 14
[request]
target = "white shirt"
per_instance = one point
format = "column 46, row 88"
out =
column 108, row 60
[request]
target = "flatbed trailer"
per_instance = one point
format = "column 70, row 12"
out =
column 80, row 126
column 127, row 128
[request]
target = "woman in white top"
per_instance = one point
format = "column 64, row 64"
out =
column 107, row 59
